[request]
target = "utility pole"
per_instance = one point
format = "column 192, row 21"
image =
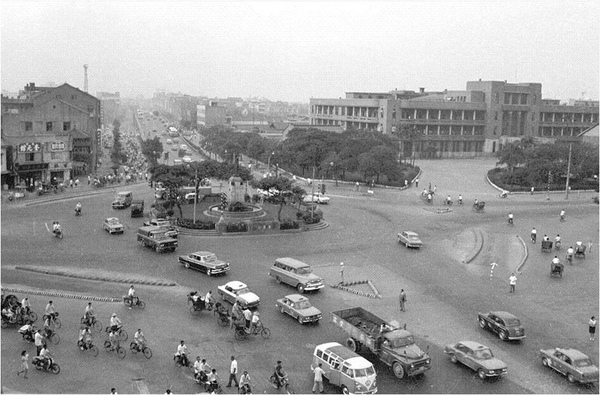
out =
column 568, row 173
column 85, row 78
column 312, row 196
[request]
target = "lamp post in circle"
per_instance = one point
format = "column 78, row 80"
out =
column 342, row 271
column 269, row 162
column 196, row 182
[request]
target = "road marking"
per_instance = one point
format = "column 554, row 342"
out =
column 142, row 388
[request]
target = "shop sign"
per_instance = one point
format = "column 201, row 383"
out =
column 30, row 147
column 57, row 146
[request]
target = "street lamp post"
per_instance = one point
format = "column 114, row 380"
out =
column 342, row 271
column 334, row 173
column 269, row 161
column 197, row 183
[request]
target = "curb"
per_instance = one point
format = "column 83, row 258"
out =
column 345, row 287
column 478, row 246
column 164, row 283
column 525, row 255
column 61, row 295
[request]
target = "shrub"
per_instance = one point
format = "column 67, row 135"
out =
column 239, row 227
column 288, row 223
column 189, row 224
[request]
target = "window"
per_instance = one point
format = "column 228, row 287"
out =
column 66, row 126
column 48, row 126
column 28, row 126
column 507, row 98
column 56, row 155
column 523, row 98
column 29, row 157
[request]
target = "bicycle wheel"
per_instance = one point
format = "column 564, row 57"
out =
column 142, row 304
column 265, row 333
column 33, row 318
column 194, row 311
column 97, row 325
column 57, row 323
column 123, row 335
column 94, row 350
column 289, row 389
column 121, row 352
column 133, row 348
column 240, row 334
column 223, row 321
column 147, row 352
column 55, row 339
column 128, row 302
column 107, row 345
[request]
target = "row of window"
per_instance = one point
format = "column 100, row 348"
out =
column 449, row 146
column 50, row 126
column 568, row 117
column 54, row 156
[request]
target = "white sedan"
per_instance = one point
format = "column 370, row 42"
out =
column 237, row 290
column 317, row 198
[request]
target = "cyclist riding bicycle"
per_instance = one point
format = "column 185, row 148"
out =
column 140, row 340
column 279, row 375
column 115, row 323
column 510, row 218
column 533, row 235
column 88, row 315
column 131, row 294
column 85, row 338
column 25, row 306
column 181, row 353
column 245, row 383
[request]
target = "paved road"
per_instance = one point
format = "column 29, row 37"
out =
column 444, row 294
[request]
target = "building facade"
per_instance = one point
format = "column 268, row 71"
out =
column 212, row 114
column 473, row 122
column 41, row 125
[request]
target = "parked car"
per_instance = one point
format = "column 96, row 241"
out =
column 572, row 363
column 155, row 237
column 317, row 198
column 299, row 307
column 295, row 273
column 204, row 261
column 113, row 225
column 477, row 357
column 409, row 239
column 505, row 325
column 122, row 199
column 237, row 290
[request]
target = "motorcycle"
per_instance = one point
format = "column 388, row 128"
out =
column 58, row 233
column 77, row 212
column 181, row 361
column 129, row 302
column 49, row 366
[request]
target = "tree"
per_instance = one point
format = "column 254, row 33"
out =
column 284, row 190
column 512, row 155
column 152, row 150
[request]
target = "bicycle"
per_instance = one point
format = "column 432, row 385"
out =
column 119, row 350
column 121, row 333
column 135, row 348
column 283, row 383
column 51, row 335
column 53, row 321
column 87, row 346
column 92, row 323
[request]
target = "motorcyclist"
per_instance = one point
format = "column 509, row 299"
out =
column 115, row 323
column 557, row 241
column 279, row 374
column 460, row 202
column 533, row 235
column 555, row 260
column 181, row 353
column 25, row 306
column 213, row 379
column 78, row 208
column 570, row 252
column 45, row 356
column 131, row 294
column 449, row 200
column 27, row 331
column 198, row 369
column 245, row 387
column 56, row 228
column 140, row 340
column 510, row 218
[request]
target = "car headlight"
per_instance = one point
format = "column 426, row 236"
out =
column 360, row 387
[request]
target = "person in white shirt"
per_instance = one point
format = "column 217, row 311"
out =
column 182, row 353
column 556, row 261
column 248, row 317
column 115, row 323
column 139, row 338
column 208, row 300
column 132, row 296
column 89, row 313
column 25, row 305
column 318, row 371
column 255, row 321
column 245, row 383
column 233, row 369
column 46, row 356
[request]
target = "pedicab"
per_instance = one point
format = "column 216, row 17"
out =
column 479, row 207
column 546, row 245
column 579, row 250
column 556, row 269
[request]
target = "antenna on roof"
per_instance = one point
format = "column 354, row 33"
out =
column 85, row 78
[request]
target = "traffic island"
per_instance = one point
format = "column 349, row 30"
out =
column 97, row 275
column 438, row 210
column 347, row 286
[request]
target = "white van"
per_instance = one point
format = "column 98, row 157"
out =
column 345, row 369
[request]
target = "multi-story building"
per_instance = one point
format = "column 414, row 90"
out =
column 110, row 106
column 212, row 114
column 42, row 126
column 476, row 121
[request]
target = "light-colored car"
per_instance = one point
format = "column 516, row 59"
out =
column 299, row 307
column 237, row 290
column 409, row 239
column 205, row 262
column 506, row 325
column 295, row 273
column 317, row 198
column 477, row 357
column 170, row 230
column 572, row 363
column 113, row 225
column 187, row 159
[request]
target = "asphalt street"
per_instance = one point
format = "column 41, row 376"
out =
column 444, row 294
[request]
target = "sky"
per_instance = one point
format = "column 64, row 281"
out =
column 296, row 51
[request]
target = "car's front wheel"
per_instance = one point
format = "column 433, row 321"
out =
column 571, row 378
column 503, row 335
column 453, row 358
column 187, row 265
column 545, row 362
column 482, row 323
column 481, row 374
column 301, row 288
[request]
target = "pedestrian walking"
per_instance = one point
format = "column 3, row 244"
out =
column 417, row 182
column 402, row 299
column 233, row 369
column 405, row 183
column 357, row 186
column 592, row 324
column 38, row 341
column 25, row 365
column 318, row 371
column 89, row 179
column 434, row 189
column 532, row 189
column 76, row 182
column 513, row 282
column 71, row 183
column 589, row 246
